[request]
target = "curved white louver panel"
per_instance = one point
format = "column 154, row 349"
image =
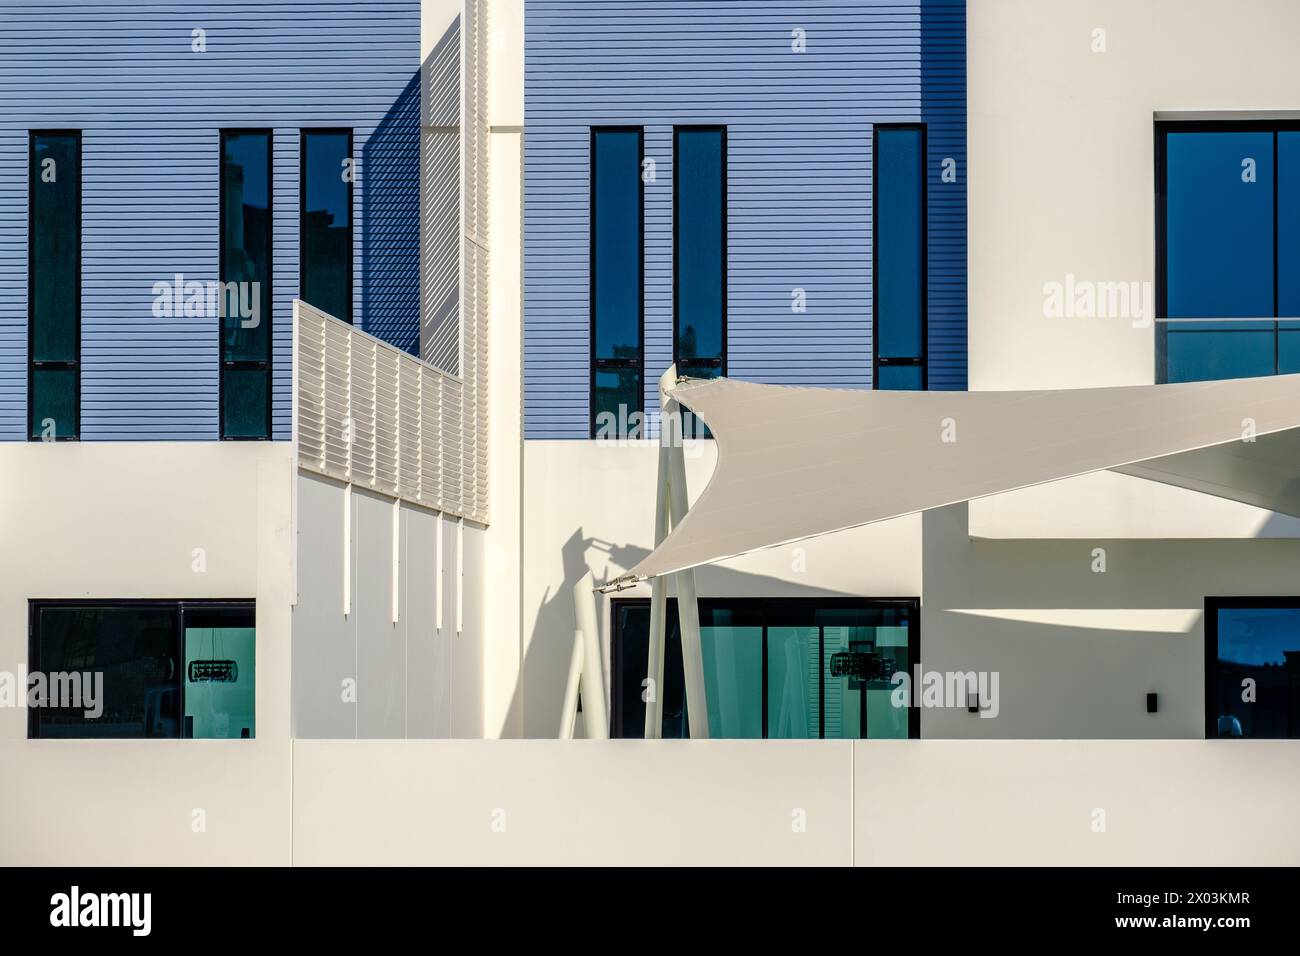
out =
column 372, row 415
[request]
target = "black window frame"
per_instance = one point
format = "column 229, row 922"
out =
column 74, row 366
column 771, row 607
column 303, row 133
column 181, row 606
column 602, row 364
column 245, row 365
column 1162, row 129
column 1211, row 639
column 877, row 360
column 721, row 362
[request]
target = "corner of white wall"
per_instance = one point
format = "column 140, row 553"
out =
column 503, row 568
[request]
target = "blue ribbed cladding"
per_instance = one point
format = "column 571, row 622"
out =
column 799, row 171
column 150, row 110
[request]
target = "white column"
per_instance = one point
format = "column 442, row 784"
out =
column 595, row 713
column 654, row 705
column 671, row 496
column 688, row 612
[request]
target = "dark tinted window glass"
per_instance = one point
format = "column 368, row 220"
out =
column 1288, row 349
column 1220, row 240
column 1201, row 351
column 617, row 395
column 1219, row 195
column 134, row 648
column 246, row 244
column 699, row 221
column 54, row 403
column 616, row 231
column 899, row 377
column 1255, row 679
column 616, row 280
column 632, row 624
column 220, row 673
column 327, row 223
column 245, row 392
column 1288, row 249
column 143, row 670
column 55, row 228
column 54, row 237
column 899, row 242
column 246, row 269
column 773, row 668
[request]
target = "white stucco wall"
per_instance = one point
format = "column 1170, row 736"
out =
column 1062, row 173
column 122, row 520
column 1062, row 161
column 416, row 676
column 1077, row 649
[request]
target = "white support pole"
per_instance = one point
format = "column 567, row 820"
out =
column 595, row 713
column 569, row 716
column 688, row 611
column 654, row 704
column 670, row 508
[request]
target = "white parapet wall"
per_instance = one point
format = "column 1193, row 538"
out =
column 871, row 803
column 660, row 803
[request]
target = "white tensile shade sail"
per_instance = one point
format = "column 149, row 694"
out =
column 798, row 462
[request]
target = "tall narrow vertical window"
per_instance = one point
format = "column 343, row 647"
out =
column 899, row 257
column 617, row 243
column 326, row 221
column 54, row 286
column 700, row 251
column 245, row 302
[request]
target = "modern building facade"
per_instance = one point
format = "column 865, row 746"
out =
column 330, row 364
column 850, row 138
column 752, row 142
column 245, row 485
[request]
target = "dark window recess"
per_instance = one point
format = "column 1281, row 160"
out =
column 245, row 300
column 617, row 278
column 699, row 257
column 143, row 669
column 54, row 286
column 326, row 221
column 794, row 668
column 1227, row 232
column 1252, row 667
column 700, row 251
column 899, row 253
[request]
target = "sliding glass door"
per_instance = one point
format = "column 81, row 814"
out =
column 778, row 668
